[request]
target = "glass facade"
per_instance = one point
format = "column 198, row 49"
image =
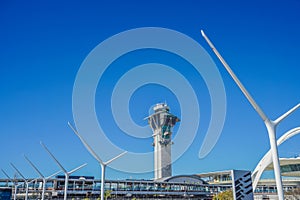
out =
column 290, row 168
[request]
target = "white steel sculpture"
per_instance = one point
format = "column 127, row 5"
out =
column 13, row 182
column 45, row 179
column 270, row 124
column 102, row 164
column 67, row 173
column 267, row 159
column 25, row 180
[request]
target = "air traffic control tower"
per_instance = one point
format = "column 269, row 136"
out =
column 161, row 122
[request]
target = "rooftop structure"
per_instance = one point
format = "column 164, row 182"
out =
column 288, row 166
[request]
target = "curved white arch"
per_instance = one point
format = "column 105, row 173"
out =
column 267, row 159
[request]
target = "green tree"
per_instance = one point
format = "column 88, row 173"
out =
column 226, row 195
column 107, row 194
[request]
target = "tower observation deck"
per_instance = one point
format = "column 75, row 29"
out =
column 161, row 122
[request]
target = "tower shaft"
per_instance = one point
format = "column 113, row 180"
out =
column 162, row 159
column 161, row 123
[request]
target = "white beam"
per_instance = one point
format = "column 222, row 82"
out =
column 67, row 174
column 270, row 125
column 102, row 164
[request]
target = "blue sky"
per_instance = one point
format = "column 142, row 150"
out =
column 44, row 43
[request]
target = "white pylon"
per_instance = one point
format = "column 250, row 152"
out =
column 67, row 173
column 102, row 164
column 270, row 124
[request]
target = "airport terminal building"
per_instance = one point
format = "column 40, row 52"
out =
column 198, row 186
column 164, row 185
column 176, row 187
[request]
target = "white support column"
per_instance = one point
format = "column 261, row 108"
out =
column 102, row 181
column 270, row 125
column 276, row 164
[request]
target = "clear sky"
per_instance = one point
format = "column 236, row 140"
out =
column 43, row 44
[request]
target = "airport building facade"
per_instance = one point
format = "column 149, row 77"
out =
column 164, row 185
column 199, row 186
column 176, row 187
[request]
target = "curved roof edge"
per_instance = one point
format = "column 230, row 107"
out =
column 183, row 179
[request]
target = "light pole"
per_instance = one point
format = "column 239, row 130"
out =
column 102, row 164
column 67, row 174
column 45, row 179
column 270, row 124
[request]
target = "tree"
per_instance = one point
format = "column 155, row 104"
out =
column 226, row 195
column 294, row 192
column 107, row 194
